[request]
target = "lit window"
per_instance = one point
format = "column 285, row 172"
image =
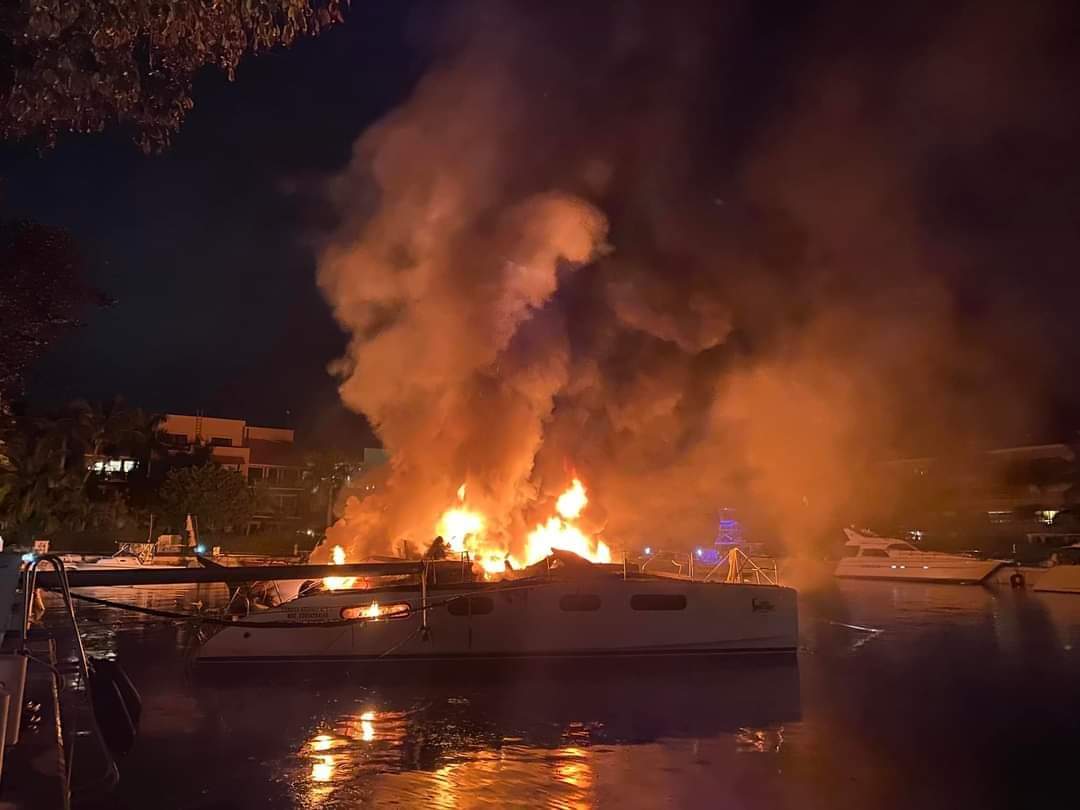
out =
column 373, row 610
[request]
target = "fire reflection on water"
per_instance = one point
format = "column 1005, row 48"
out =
column 706, row 738
column 359, row 742
column 367, row 726
column 322, row 770
column 760, row 740
column 574, row 769
column 370, row 742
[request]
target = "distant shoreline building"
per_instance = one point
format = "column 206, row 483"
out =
column 266, row 457
column 1028, row 482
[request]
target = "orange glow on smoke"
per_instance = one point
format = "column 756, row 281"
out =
column 338, row 583
column 464, row 530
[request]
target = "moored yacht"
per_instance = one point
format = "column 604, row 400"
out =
column 1063, row 576
column 870, row 557
column 562, row 607
column 121, row 561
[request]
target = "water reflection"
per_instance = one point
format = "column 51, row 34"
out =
column 905, row 695
column 454, row 743
column 322, row 769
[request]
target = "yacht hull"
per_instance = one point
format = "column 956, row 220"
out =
column 598, row 618
column 1059, row 579
column 959, row 571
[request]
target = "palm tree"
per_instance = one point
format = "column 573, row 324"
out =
column 38, row 491
column 103, row 429
column 45, row 472
column 67, row 433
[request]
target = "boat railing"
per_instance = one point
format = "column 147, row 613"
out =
column 84, row 669
column 735, row 566
column 144, row 552
column 741, row 567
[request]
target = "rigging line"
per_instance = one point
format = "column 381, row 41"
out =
column 176, row 615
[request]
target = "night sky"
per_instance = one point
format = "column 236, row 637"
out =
column 207, row 248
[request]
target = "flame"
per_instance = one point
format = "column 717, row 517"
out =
column 572, row 501
column 372, row 611
column 560, row 532
column 338, row 583
column 464, row 530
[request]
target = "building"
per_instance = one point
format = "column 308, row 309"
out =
column 1007, row 484
column 266, row 457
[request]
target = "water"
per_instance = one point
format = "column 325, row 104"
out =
column 904, row 695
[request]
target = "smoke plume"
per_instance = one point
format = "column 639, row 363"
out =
column 699, row 254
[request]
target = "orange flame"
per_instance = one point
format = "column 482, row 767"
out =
column 338, row 583
column 560, row 532
column 464, row 530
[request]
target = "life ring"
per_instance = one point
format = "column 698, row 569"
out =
column 1016, row 580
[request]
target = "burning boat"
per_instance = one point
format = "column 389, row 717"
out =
column 561, row 607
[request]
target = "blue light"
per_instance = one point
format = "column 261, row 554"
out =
column 29, row 557
column 200, row 549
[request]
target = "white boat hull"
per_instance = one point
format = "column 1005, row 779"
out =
column 956, row 570
column 592, row 618
column 1059, row 579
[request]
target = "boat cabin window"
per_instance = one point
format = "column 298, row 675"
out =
column 900, row 547
column 579, row 601
column 470, row 606
column 851, row 551
column 874, row 552
column 658, row 601
column 373, row 610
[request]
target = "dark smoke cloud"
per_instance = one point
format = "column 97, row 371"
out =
column 701, row 254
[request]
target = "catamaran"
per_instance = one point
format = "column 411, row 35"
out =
column 562, row 607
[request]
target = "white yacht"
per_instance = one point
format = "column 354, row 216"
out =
column 1063, row 575
column 563, row 607
column 120, row 561
column 870, row 557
